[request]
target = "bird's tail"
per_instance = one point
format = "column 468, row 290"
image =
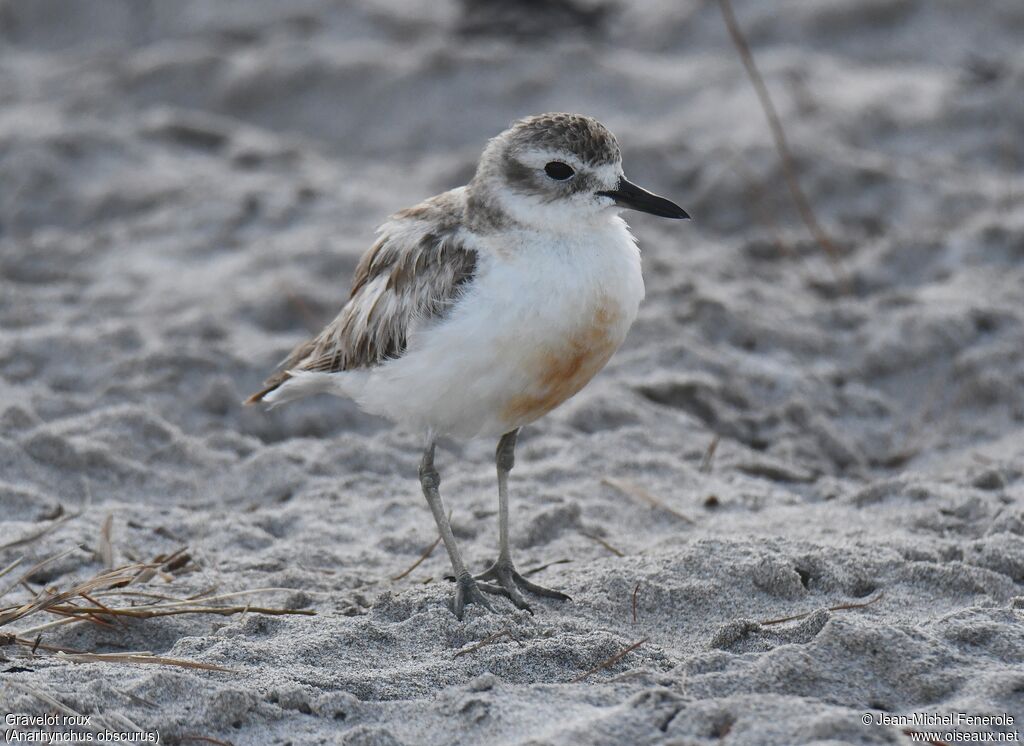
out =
column 296, row 384
column 261, row 395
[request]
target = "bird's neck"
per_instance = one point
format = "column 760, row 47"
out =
column 485, row 213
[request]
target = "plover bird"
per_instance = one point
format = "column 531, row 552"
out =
column 480, row 310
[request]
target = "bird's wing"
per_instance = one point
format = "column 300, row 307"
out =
column 417, row 269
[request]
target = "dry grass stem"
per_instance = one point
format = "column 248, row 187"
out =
column 137, row 699
column 40, row 532
column 605, row 544
column 81, row 656
column 610, row 661
column 95, row 723
column 57, row 705
column 104, row 549
column 11, row 567
column 33, row 570
column 46, row 600
column 535, row 570
column 490, row 639
column 81, row 602
column 152, row 612
column 164, row 563
column 635, row 592
column 640, row 493
column 58, row 520
column 840, row 607
column 708, row 462
column 138, row 613
column 759, row 200
column 426, row 553
column 165, row 606
column 803, row 205
column 144, row 659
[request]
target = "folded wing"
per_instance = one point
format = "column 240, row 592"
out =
column 417, row 270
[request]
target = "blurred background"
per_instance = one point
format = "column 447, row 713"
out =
column 185, row 189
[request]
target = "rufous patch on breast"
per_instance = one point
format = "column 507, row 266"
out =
column 561, row 372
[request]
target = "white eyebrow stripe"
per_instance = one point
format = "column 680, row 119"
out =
column 538, row 158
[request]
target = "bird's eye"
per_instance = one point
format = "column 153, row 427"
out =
column 559, row 171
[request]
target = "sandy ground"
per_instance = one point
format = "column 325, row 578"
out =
column 185, row 188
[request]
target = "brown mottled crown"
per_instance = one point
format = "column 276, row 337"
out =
column 586, row 137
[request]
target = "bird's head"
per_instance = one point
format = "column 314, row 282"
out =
column 552, row 171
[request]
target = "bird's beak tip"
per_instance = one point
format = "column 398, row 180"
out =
column 628, row 194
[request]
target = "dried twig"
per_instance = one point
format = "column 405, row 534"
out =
column 759, row 201
column 104, row 548
column 487, row 641
column 840, row 607
column 610, row 661
column 709, row 455
column 137, row 699
column 778, row 133
column 426, row 553
column 45, row 600
column 94, row 602
column 82, row 656
column 111, row 584
column 535, row 570
column 635, row 592
column 39, row 532
column 95, row 723
column 11, row 567
column 168, row 563
column 123, row 719
column 151, row 659
column 33, row 570
column 107, row 584
column 152, row 612
column 170, row 604
column 206, row 598
column 58, row 520
column 605, row 544
column 56, row 705
column 640, row 493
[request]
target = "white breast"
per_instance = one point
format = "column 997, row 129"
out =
column 541, row 319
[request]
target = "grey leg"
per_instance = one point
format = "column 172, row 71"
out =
column 504, row 459
column 466, row 590
column 503, row 571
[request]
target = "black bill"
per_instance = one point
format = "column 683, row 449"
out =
column 628, row 194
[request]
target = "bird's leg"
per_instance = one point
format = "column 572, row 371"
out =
column 503, row 572
column 466, row 590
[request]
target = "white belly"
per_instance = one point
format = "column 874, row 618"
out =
column 537, row 325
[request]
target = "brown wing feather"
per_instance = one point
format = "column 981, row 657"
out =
column 404, row 276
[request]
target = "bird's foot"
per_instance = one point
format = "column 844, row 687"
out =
column 509, row 581
column 468, row 591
